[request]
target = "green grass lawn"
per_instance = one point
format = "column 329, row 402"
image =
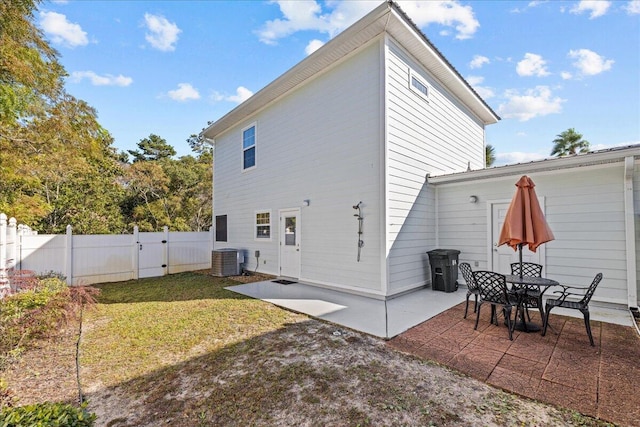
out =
column 152, row 323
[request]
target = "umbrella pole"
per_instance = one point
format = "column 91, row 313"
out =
column 520, row 256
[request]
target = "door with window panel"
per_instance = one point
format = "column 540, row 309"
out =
column 290, row 243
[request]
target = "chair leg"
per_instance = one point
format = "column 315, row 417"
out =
column 540, row 308
column 477, row 316
column 585, row 313
column 507, row 314
column 475, row 305
column 545, row 323
column 466, row 307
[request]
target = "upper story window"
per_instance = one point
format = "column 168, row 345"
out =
column 418, row 86
column 263, row 225
column 249, row 147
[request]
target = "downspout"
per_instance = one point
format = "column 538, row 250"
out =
column 630, row 233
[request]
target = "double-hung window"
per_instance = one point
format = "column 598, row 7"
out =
column 249, row 147
column 263, row 225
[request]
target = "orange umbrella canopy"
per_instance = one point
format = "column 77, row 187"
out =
column 524, row 223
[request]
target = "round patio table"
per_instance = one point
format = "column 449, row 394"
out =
column 542, row 283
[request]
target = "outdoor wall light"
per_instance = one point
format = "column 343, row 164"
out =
column 306, row 202
column 473, row 199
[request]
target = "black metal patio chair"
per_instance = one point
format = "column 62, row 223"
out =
column 493, row 289
column 582, row 304
column 472, row 288
column 533, row 295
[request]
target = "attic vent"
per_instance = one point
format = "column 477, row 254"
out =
column 418, row 86
column 225, row 262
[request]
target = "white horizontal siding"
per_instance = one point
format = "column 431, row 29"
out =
column 322, row 142
column 584, row 208
column 424, row 137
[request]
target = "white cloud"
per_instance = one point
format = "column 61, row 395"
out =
column 242, row 94
column 185, row 92
column 566, row 75
column 313, row 45
column 532, row 65
column 97, row 80
column 590, row 63
column 61, row 31
column 307, row 15
column 633, row 7
column 484, row 91
column 478, row 61
column 162, row 35
column 447, row 13
column 517, row 157
column 597, row 8
column 533, row 103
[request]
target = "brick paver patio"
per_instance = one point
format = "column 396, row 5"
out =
column 560, row 368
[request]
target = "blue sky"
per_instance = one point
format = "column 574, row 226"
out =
column 169, row 67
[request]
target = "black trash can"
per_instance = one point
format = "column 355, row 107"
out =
column 444, row 269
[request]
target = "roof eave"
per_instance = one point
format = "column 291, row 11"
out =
column 580, row 160
column 386, row 17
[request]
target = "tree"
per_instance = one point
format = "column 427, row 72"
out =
column 170, row 192
column 152, row 148
column 490, row 155
column 568, row 143
column 30, row 74
column 57, row 166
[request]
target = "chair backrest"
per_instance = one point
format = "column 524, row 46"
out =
column 592, row 288
column 492, row 286
column 528, row 269
column 467, row 273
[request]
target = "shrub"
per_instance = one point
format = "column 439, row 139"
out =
column 47, row 415
column 38, row 312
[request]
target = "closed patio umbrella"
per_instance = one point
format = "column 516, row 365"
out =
column 524, row 223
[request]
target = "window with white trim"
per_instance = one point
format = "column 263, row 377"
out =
column 249, row 147
column 418, row 85
column 263, row 225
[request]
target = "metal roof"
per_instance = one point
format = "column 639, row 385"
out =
column 592, row 158
column 386, row 17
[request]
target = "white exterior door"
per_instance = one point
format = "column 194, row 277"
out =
column 290, row 243
column 503, row 256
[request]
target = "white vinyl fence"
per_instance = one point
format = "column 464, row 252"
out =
column 88, row 259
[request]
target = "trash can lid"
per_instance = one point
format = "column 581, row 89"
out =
column 443, row 252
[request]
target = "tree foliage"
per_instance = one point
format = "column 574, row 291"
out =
column 57, row 163
column 490, row 155
column 152, row 148
column 568, row 143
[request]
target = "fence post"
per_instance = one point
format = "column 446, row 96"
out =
column 12, row 244
column 165, row 251
column 4, row 279
column 69, row 256
column 135, row 253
